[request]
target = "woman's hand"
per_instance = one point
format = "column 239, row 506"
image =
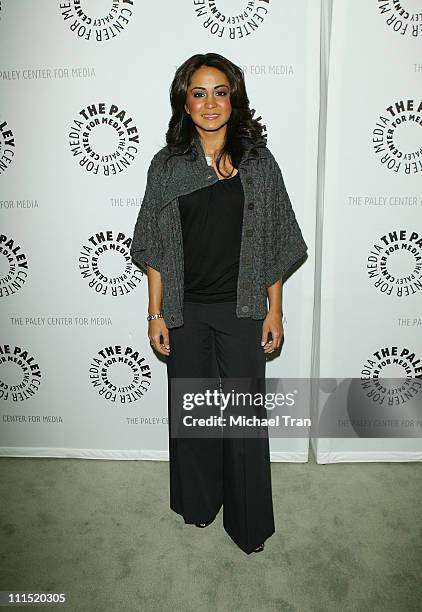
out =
column 157, row 328
column 272, row 323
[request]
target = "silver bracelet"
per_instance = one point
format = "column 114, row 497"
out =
column 155, row 316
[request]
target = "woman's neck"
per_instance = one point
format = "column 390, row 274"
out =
column 211, row 142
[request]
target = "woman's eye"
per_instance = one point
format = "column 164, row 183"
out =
column 196, row 94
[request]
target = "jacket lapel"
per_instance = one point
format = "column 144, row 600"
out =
column 184, row 175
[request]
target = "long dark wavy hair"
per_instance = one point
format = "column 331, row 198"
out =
column 241, row 124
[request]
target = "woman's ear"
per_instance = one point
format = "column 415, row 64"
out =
column 187, row 110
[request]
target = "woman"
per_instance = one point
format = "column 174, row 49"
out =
column 215, row 234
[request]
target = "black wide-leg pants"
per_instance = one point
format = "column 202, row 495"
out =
column 206, row 473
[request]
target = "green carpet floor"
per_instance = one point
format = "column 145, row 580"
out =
column 348, row 537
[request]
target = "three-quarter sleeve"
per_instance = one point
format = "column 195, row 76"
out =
column 285, row 244
column 146, row 247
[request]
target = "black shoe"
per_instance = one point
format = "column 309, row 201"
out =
column 202, row 525
column 260, row 548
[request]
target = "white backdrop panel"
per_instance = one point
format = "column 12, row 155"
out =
column 370, row 304
column 81, row 297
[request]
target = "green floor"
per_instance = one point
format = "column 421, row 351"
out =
column 348, row 537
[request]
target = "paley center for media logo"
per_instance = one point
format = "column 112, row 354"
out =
column 230, row 19
column 104, row 139
column 20, row 374
column 404, row 17
column 7, row 146
column 385, row 401
column 120, row 374
column 17, row 266
column 394, row 263
column 105, row 263
column 397, row 139
column 110, row 23
column 392, row 361
column 388, row 398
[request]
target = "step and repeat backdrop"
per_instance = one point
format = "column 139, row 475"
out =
column 84, row 106
column 371, row 235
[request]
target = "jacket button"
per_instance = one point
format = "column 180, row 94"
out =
column 245, row 308
column 250, row 206
column 249, row 180
column 249, row 232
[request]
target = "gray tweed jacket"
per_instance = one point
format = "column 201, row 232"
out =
column 271, row 242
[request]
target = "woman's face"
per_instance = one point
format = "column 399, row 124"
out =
column 208, row 99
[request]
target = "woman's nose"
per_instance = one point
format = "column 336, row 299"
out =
column 210, row 102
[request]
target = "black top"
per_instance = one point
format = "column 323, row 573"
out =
column 212, row 220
